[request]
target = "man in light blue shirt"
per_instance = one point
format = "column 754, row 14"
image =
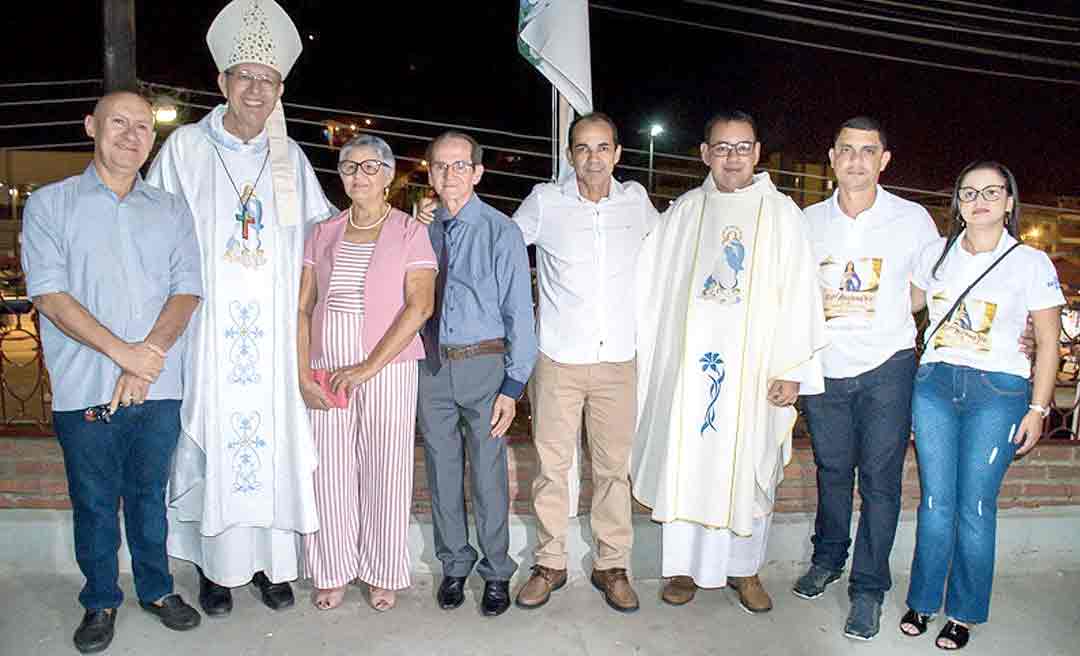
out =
column 112, row 265
column 481, row 346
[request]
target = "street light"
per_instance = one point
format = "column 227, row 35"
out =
column 165, row 111
column 655, row 130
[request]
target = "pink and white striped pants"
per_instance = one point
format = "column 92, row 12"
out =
column 363, row 484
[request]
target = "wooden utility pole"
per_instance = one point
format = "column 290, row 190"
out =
column 119, row 18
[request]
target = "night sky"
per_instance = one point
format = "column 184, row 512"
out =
column 437, row 61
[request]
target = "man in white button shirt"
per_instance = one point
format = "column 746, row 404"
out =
column 865, row 241
column 588, row 232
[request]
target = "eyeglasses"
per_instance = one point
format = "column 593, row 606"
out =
column 248, row 78
column 459, row 167
column 989, row 194
column 725, row 148
column 369, row 166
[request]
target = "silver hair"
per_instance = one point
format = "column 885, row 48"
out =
column 381, row 148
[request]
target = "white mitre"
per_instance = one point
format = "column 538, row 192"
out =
column 260, row 32
column 254, row 32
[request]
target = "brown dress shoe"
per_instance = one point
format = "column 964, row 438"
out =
column 616, row 588
column 679, row 590
column 537, row 590
column 752, row 595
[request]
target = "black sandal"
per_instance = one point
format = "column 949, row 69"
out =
column 917, row 620
column 957, row 633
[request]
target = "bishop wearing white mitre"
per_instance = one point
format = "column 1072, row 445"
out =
column 730, row 320
column 241, row 492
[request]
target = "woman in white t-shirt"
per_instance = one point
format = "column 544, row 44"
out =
column 976, row 403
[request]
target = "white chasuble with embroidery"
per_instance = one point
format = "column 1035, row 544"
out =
column 246, row 456
column 729, row 302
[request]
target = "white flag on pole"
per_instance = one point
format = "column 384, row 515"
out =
column 553, row 35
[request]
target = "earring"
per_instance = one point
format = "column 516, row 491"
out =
column 386, row 193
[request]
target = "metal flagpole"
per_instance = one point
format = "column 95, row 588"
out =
column 554, row 134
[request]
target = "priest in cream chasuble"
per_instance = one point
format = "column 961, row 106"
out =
column 241, row 490
column 730, row 325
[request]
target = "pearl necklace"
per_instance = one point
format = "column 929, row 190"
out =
column 373, row 225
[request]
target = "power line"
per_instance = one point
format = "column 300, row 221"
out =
column 923, row 23
column 384, row 117
column 968, row 15
column 1009, row 10
column 58, row 101
column 12, row 85
column 831, row 48
column 40, row 124
column 1052, row 61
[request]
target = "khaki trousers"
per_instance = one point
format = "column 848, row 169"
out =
column 606, row 392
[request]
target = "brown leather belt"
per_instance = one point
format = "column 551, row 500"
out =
column 486, row 347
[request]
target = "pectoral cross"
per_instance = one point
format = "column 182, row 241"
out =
column 245, row 220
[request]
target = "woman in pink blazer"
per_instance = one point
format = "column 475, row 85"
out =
column 366, row 289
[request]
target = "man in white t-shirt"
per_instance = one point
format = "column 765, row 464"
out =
column 866, row 242
column 588, row 231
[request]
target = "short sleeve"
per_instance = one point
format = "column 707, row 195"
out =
column 1044, row 289
column 418, row 251
column 309, row 246
column 924, row 264
column 529, row 215
column 43, row 250
column 185, row 267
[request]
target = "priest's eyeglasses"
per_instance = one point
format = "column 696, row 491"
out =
column 726, row 148
column 248, row 78
column 989, row 194
column 459, row 167
column 369, row 166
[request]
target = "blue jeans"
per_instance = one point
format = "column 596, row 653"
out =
column 964, row 421
column 861, row 423
column 127, row 459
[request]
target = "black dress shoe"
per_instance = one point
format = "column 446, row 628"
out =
column 95, row 632
column 216, row 600
column 276, row 596
column 451, row 592
column 174, row 613
column 496, row 598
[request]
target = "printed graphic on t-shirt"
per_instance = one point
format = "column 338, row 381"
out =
column 722, row 284
column 969, row 327
column 849, row 288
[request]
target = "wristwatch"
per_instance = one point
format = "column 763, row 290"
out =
column 1044, row 411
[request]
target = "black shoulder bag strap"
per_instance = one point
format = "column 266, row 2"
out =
column 948, row 315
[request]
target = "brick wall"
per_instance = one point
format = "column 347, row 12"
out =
column 32, row 476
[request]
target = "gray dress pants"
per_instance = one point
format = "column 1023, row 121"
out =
column 454, row 413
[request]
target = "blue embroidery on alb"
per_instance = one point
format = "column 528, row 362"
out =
column 244, row 350
column 245, row 446
column 713, row 368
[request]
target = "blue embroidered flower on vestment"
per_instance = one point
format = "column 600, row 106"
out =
column 712, row 365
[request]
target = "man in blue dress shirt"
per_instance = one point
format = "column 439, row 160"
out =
column 481, row 347
column 112, row 265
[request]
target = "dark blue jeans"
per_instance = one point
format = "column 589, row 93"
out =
column 861, row 423
column 964, row 421
column 127, row 459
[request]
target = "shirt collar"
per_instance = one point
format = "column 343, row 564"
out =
column 90, row 181
column 1004, row 242
column 469, row 212
column 760, row 183
column 873, row 210
column 214, row 126
column 569, row 187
